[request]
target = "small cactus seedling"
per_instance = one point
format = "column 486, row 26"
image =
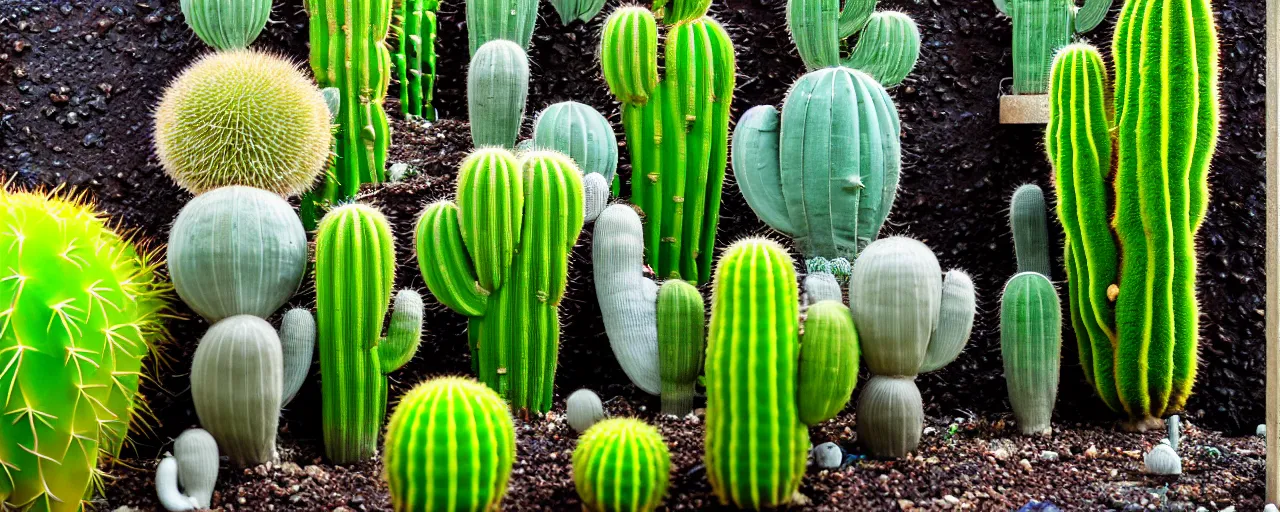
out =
column 580, row 10
column 227, row 24
column 355, row 267
column 495, row 20
column 887, row 48
column 500, row 255
column 415, row 56
column 237, row 251
column 185, row 480
column 1040, row 29
column 82, row 310
column 497, row 88
column 450, row 446
column 1027, row 219
column 242, row 117
column 1031, row 345
column 582, row 133
column 621, row 464
column 583, row 409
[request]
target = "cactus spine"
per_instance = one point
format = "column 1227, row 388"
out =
column 82, row 309
column 1031, row 345
column 1133, row 304
column 676, row 127
column 1027, row 218
column 497, row 86
column 887, row 49
column 415, row 56
column 355, row 267
column 450, row 446
column 681, row 334
column 185, row 480
column 803, row 176
column 493, row 20
column 1040, row 29
column 582, row 133
column 904, row 319
column 227, row 24
column 500, row 255
column 621, row 464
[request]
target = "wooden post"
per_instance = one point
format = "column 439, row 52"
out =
column 1273, row 251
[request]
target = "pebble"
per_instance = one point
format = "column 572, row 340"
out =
column 1050, row 456
column 1262, row 430
column 828, row 455
column 1000, row 454
column 906, row 504
column 1026, row 465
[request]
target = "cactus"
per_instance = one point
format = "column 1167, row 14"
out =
column 583, row 409
column 227, row 24
column 1136, row 317
column 1030, row 230
column 887, row 48
column 621, row 464
column 581, row 10
column 450, row 446
column 500, row 255
column 242, row 117
column 494, row 20
column 349, row 52
column 801, row 174
column 185, row 480
column 676, row 127
column 237, row 251
column 297, row 346
column 1040, row 29
column 907, row 320
column 415, row 56
column 595, row 196
column 681, row 334
column 628, row 300
column 754, row 372
column 582, row 133
column 497, row 86
column 355, row 267
column 1175, row 431
column 82, row 311
column 828, row 361
column 238, row 383
column 1031, row 345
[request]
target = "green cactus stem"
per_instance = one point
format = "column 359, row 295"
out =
column 1040, row 29
column 621, row 464
column 497, row 86
column 415, row 56
column 681, row 335
column 495, row 20
column 888, row 45
column 828, row 361
column 1031, row 345
column 226, row 24
column 1027, row 219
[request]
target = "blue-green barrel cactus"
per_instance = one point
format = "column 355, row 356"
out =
column 355, row 267
column 580, row 10
column 450, row 446
column 582, row 133
column 415, row 56
column 621, row 465
column 888, row 45
column 497, row 87
column 1028, row 220
column 226, row 24
column 1132, row 282
column 82, row 311
column 237, row 251
column 825, row 171
column 1031, row 345
column 499, row 253
column 496, row 20
column 1040, row 29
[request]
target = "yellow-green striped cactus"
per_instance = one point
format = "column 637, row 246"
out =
column 1131, row 261
column 621, row 465
column 450, row 446
column 81, row 312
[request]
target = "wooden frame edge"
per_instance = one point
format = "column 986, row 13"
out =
column 1273, row 252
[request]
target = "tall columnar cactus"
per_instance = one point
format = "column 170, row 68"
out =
column 226, row 24
column 887, row 49
column 1031, row 345
column 355, row 267
column 185, row 480
column 908, row 321
column 677, row 127
column 237, row 251
column 621, row 464
column 500, row 255
column 1133, row 303
column 582, row 133
column 681, row 338
column 1040, row 29
column 755, row 368
column 415, row 56
column 826, row 171
column 349, row 52
column 450, row 446
column 493, row 20
column 82, row 310
column 1027, row 218
column 497, row 87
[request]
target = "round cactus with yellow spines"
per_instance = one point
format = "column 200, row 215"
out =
column 621, row 464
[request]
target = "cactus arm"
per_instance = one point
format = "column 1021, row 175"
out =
column 1027, row 220
column 297, row 343
column 681, row 336
column 491, row 201
column 955, row 321
column 628, row 300
column 404, row 334
column 445, row 263
column 171, row 498
column 815, row 29
column 854, row 16
column 756, row 167
column 725, row 69
column 691, row 75
column 1091, row 14
column 887, row 49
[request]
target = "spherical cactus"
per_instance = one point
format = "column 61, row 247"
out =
column 497, row 87
column 81, row 311
column 828, row 361
column 237, row 251
column 243, row 118
column 621, row 464
column 896, row 327
column 237, row 384
column 582, row 133
column 890, row 415
column 450, row 445
column 227, row 24
column 583, row 409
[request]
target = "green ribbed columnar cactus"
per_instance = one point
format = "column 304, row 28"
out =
column 825, row 171
column 582, row 133
column 621, row 465
column 677, row 127
column 1027, row 219
column 828, row 361
column 497, row 89
column 1040, row 29
column 681, row 338
column 450, row 446
column 349, row 52
column 494, row 20
column 226, row 24
column 1031, row 345
column 81, row 311
column 500, row 254
column 755, row 366
column 415, row 56
column 355, row 267
column 1133, row 303
column 887, row 48
column 910, row 319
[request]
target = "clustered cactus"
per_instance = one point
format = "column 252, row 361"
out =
column 621, row 464
column 887, row 48
column 1040, row 29
column 185, row 480
column 497, row 89
column 415, row 56
column 227, row 24
column 1132, row 282
column 677, row 127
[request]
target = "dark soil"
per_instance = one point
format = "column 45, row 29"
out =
column 78, row 80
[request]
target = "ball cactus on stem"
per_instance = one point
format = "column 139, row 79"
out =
column 582, row 133
column 887, row 49
column 415, row 56
column 1131, row 282
column 1040, row 29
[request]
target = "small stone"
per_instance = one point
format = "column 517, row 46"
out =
column 1026, row 465
column 1262, row 430
column 1050, row 456
column 1091, row 452
column 951, row 499
column 1000, row 454
column 906, row 505
column 828, row 455
column 397, row 171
